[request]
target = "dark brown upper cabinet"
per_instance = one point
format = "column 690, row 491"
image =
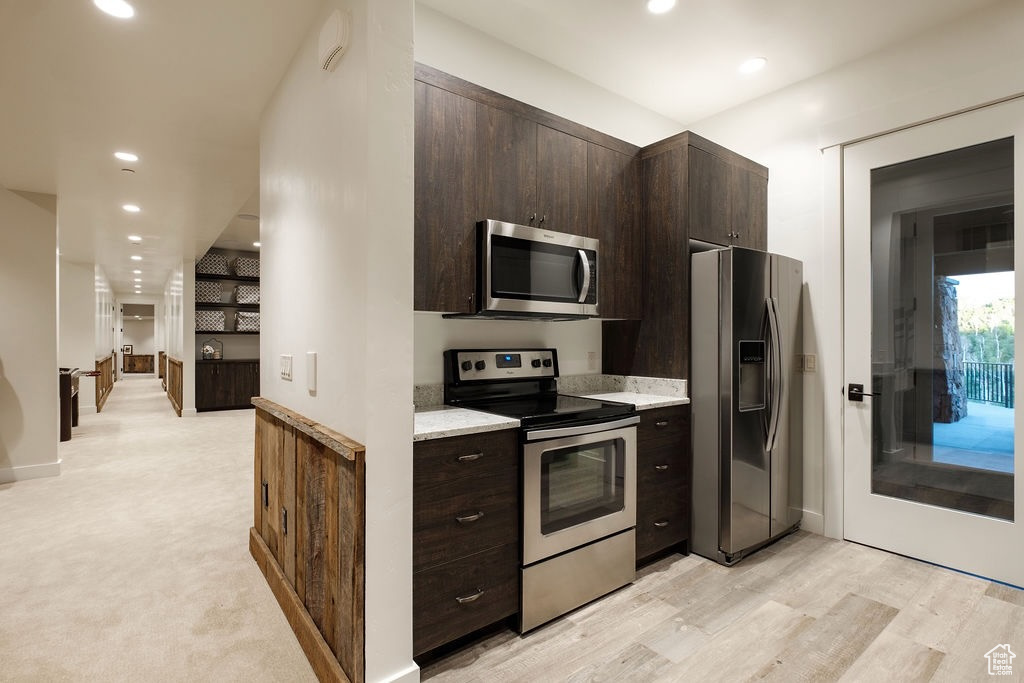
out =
column 446, row 201
column 692, row 188
column 481, row 155
column 728, row 200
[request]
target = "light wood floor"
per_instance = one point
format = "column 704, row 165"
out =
column 806, row 609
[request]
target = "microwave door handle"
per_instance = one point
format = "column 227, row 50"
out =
column 585, row 288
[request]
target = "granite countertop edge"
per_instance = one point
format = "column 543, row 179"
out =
column 438, row 422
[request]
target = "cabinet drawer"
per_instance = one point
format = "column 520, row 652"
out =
column 663, row 426
column 463, row 517
column 662, row 466
column 456, row 598
column 475, row 455
column 662, row 521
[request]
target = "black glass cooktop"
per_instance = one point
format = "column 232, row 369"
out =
column 548, row 410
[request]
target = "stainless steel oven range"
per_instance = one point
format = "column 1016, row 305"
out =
column 578, row 473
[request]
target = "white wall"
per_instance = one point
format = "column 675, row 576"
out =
column 29, row 410
column 336, row 196
column 77, row 323
column 105, row 308
column 574, row 340
column 139, row 333
column 457, row 49
column 950, row 68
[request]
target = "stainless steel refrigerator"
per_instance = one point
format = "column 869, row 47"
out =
column 746, row 394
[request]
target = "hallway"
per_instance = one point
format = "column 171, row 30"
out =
column 133, row 564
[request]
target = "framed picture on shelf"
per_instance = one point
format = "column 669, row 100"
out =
column 126, row 349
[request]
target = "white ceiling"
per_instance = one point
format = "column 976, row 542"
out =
column 683, row 64
column 183, row 85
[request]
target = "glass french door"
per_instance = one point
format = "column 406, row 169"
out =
column 931, row 431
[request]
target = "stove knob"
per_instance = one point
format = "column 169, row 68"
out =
column 535, row 362
column 547, row 362
column 467, row 365
column 480, row 365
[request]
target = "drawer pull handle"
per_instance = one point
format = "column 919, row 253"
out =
column 661, row 524
column 469, row 457
column 470, row 598
column 661, row 424
column 466, row 519
column 661, row 468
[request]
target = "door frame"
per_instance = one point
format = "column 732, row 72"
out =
column 834, row 365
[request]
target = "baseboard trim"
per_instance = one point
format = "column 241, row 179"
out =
column 410, row 675
column 325, row 664
column 9, row 475
column 189, row 412
column 813, row 522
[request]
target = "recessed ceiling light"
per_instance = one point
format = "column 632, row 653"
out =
column 136, row 258
column 116, row 8
column 137, row 271
column 248, row 217
column 660, row 6
column 134, row 238
column 126, row 156
column 131, row 208
column 138, row 317
column 138, row 279
column 752, row 65
column 257, row 244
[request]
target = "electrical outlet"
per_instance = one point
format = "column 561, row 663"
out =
column 810, row 362
column 591, row 360
column 286, row 366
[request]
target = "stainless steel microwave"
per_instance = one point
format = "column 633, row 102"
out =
column 532, row 272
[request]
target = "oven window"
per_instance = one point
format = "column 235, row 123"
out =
column 524, row 269
column 581, row 483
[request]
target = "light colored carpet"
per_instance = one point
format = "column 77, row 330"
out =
column 133, row 564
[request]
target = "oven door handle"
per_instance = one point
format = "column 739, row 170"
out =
column 581, row 429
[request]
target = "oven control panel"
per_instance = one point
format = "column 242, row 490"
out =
column 501, row 364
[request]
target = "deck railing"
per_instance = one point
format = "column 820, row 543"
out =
column 990, row 383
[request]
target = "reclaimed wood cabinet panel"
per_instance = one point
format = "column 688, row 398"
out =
column 446, row 198
column 275, row 446
column 664, row 473
column 613, row 203
column 137, row 363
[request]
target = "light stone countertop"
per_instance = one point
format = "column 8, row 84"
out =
column 438, row 422
column 641, row 401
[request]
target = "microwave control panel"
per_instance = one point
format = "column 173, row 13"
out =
column 499, row 364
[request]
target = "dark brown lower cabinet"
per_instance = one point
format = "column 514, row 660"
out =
column 226, row 384
column 465, row 535
column 663, row 480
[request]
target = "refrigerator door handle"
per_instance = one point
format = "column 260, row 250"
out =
column 776, row 379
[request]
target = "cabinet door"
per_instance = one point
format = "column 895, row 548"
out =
column 562, row 183
column 506, row 166
column 711, row 210
column 206, row 386
column 445, row 201
column 613, row 207
column 750, row 209
column 277, row 469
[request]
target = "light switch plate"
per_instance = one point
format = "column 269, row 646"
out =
column 286, row 366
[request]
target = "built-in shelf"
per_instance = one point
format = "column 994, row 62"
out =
column 239, row 278
column 209, row 306
column 222, row 332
